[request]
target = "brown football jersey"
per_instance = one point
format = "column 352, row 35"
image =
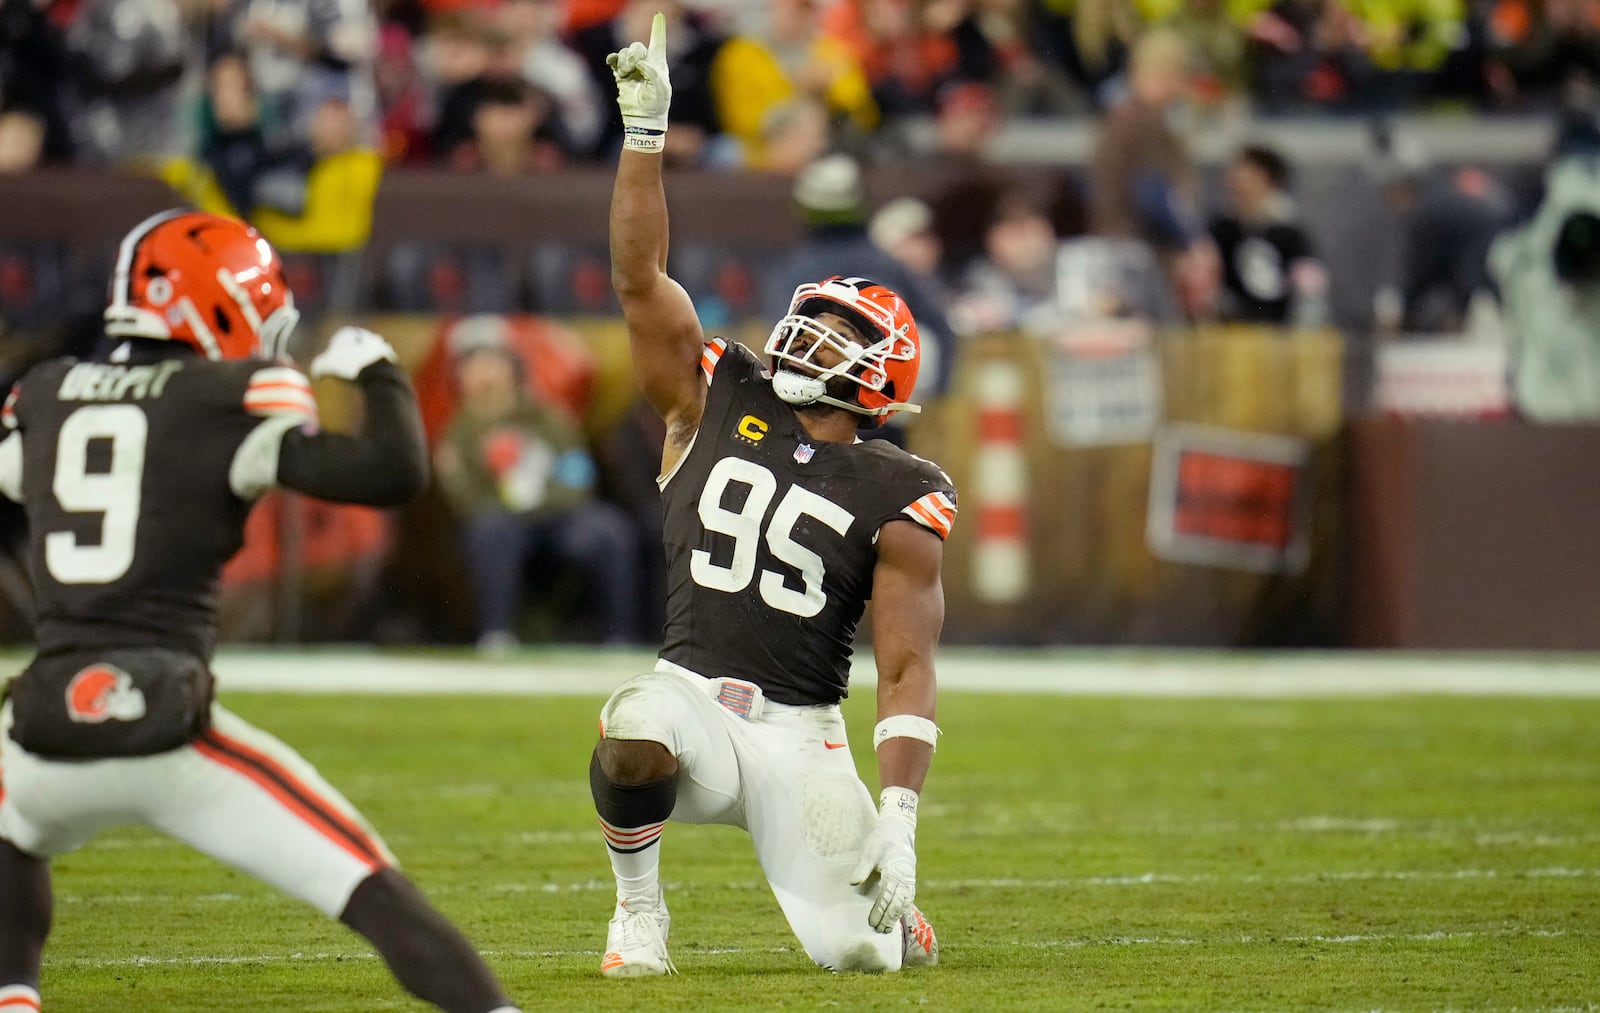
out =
column 137, row 477
column 771, row 536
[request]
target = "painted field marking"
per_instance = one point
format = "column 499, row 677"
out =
column 993, row 883
column 201, row 960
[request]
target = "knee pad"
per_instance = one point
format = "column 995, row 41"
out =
column 834, row 820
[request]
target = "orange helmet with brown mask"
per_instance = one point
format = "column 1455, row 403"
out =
column 204, row 280
column 881, row 370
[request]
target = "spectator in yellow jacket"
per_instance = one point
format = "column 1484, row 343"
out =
column 780, row 54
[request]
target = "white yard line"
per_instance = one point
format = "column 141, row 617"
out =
column 991, row 883
column 1096, row 672
column 965, row 946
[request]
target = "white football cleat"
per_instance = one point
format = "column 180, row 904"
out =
column 636, row 942
column 921, row 946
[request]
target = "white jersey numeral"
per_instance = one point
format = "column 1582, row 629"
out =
column 113, row 493
column 744, row 526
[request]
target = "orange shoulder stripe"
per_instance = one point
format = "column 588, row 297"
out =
column 711, row 355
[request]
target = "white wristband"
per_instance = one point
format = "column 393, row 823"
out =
column 901, row 802
column 906, row 726
column 645, row 139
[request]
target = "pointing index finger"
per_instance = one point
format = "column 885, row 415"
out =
column 658, row 36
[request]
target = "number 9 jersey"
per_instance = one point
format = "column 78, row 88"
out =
column 771, row 536
column 137, row 478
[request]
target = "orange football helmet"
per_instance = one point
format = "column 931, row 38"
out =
column 883, row 373
column 208, row 281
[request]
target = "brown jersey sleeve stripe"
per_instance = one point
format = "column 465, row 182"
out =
column 288, row 789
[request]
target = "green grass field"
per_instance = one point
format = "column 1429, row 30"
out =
column 1407, row 853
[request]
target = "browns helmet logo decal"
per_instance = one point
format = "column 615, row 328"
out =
column 103, row 693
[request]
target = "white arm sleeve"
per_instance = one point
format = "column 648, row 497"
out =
column 11, row 467
column 255, row 463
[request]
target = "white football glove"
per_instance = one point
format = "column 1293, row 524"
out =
column 890, row 851
column 643, row 91
column 349, row 351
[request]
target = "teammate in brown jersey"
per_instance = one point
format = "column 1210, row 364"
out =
column 780, row 524
column 137, row 473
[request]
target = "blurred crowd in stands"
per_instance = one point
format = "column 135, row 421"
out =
column 259, row 90
column 287, row 112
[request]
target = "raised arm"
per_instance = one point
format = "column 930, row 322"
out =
column 663, row 329
column 385, row 464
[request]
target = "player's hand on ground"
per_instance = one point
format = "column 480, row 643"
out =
column 888, row 864
column 349, row 351
column 643, row 90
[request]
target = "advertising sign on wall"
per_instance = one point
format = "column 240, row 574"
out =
column 1105, row 384
column 1448, row 377
column 1229, row 499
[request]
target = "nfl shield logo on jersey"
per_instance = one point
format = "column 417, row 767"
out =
column 103, row 693
column 803, row 452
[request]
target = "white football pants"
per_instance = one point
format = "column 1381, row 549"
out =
column 787, row 778
column 235, row 793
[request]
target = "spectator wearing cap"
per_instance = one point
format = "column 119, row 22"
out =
column 520, row 479
column 968, row 117
column 830, row 198
column 903, row 228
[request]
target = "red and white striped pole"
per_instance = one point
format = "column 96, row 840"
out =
column 1001, row 570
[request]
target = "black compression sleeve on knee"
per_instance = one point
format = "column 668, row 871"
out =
column 631, row 805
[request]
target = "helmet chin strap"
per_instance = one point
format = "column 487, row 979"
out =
column 797, row 388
